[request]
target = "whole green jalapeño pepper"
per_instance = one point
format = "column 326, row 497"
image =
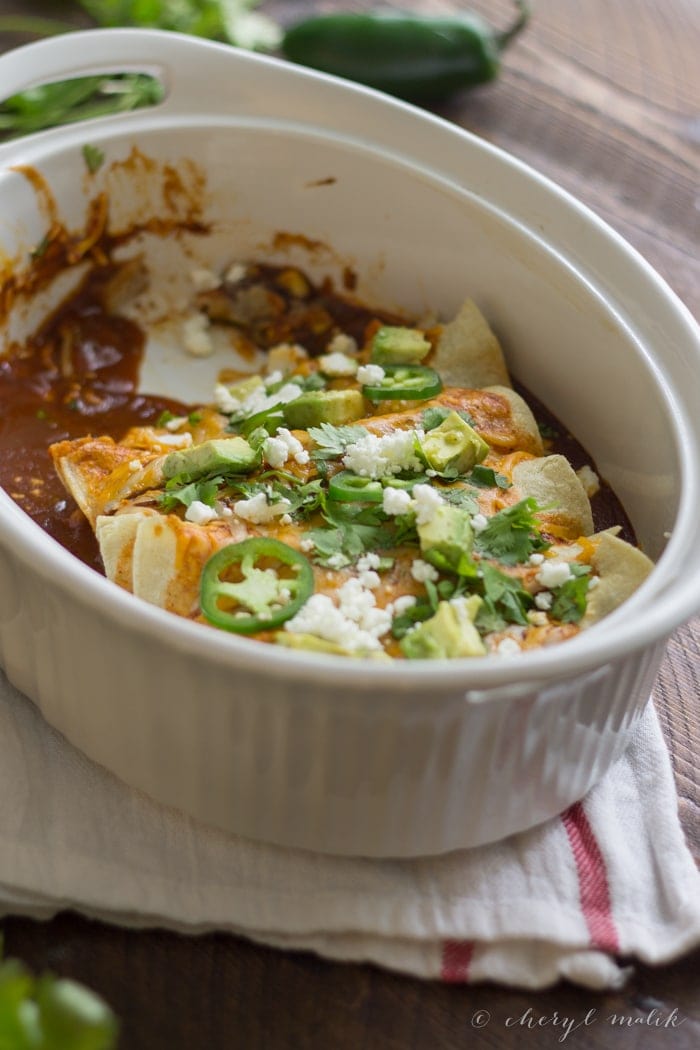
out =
column 263, row 597
column 420, row 58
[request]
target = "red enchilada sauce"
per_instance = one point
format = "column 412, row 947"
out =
column 79, row 374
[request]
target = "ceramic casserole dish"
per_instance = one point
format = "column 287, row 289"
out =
column 302, row 749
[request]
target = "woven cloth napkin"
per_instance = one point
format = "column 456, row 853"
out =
column 577, row 897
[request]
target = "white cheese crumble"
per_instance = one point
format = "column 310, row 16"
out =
column 200, row 513
column 285, row 357
column 507, row 647
column 175, row 440
column 257, row 401
column 479, row 523
column 175, row 423
column 423, row 570
column 554, row 573
column 589, row 479
column 337, row 364
column 258, row 511
column 396, row 501
column 195, row 336
column 205, row 280
column 370, row 560
column 543, row 600
column 235, row 273
column 134, row 464
column 370, row 375
column 377, row 457
column 537, row 618
column 425, row 502
column 278, row 449
column 536, row 559
column 342, row 344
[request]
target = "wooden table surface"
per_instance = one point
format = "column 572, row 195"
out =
column 604, row 97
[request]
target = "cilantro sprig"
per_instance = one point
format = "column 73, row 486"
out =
column 513, row 534
column 571, row 598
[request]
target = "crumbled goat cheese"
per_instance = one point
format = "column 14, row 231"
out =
column 286, row 519
column 536, row 559
column 205, row 280
column 537, row 618
column 175, row 423
column 222, row 510
column 554, row 573
column 235, row 273
column 507, row 647
column 589, row 479
column 258, row 511
column 426, row 501
column 337, row 364
column 307, row 544
column 134, row 464
column 479, row 522
column 175, row 440
column 342, row 344
column 370, row 560
column 370, row 375
column 423, row 570
column 369, row 578
column 200, row 513
column 275, row 452
column 377, row 457
column 257, row 401
column 285, row 357
column 543, row 600
column 195, row 336
column 404, row 602
column 396, row 501
column 336, row 561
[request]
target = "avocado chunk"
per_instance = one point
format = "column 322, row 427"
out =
column 226, row 455
column 324, row 406
column 245, row 387
column 449, row 633
column 453, row 447
column 393, row 345
column 446, row 540
column 311, row 643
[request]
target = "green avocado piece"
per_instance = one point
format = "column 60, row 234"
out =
column 453, row 447
column 449, row 633
column 446, row 540
column 227, row 455
column 393, row 345
column 324, row 406
column 245, row 387
column 309, row 642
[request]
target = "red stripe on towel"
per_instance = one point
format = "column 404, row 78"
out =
column 456, row 959
column 592, row 879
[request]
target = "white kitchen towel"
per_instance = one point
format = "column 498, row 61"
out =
column 608, row 881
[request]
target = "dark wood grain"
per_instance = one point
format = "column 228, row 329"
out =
column 604, row 97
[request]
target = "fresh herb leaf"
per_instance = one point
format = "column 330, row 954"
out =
column 547, row 431
column 94, row 157
column 205, row 490
column 570, row 599
column 512, row 535
column 461, row 497
column 332, row 441
column 314, row 381
column 165, row 417
column 505, row 600
column 194, row 418
column 401, row 624
column 488, row 478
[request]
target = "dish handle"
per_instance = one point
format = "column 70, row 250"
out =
column 190, row 69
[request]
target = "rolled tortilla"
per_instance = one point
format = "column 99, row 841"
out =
column 468, row 354
column 524, row 427
column 552, row 481
column 621, row 569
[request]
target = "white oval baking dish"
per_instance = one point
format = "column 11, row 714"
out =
column 322, row 752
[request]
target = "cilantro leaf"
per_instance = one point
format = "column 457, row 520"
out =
column 488, row 478
column 505, row 600
column 205, row 490
column 332, row 441
column 512, row 535
column 401, row 624
column 461, row 497
column 570, row 599
column 94, row 157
